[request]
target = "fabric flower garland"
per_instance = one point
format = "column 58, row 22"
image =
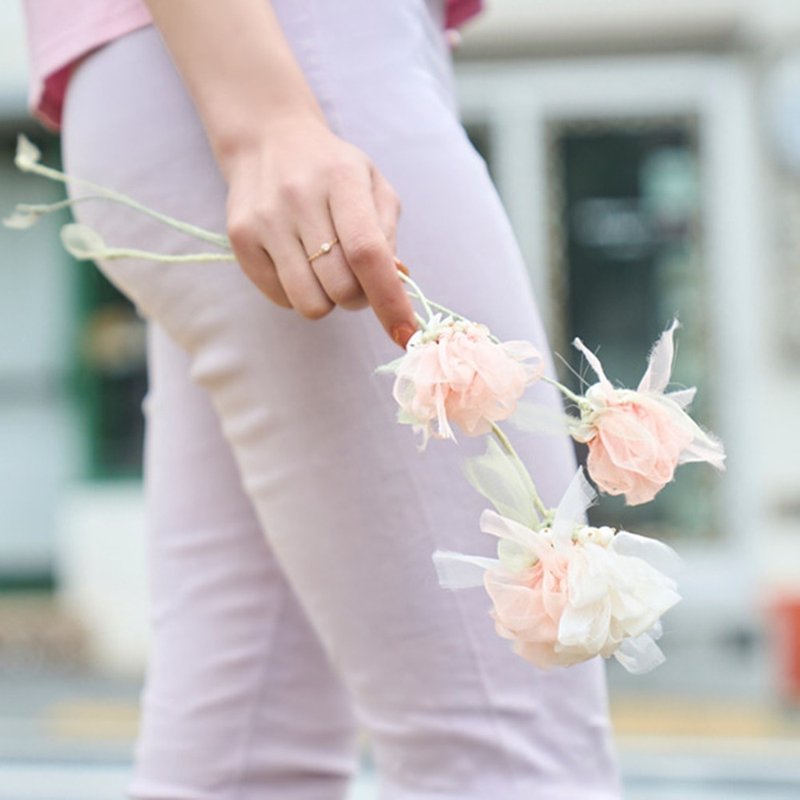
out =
column 561, row 590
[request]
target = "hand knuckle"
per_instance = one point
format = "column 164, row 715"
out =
column 264, row 210
column 241, row 231
column 315, row 309
column 344, row 168
column 365, row 251
column 345, row 291
column 356, row 303
column 294, row 189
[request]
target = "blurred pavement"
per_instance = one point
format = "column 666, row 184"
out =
column 68, row 736
column 66, row 733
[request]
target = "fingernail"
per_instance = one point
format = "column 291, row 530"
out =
column 401, row 266
column 402, row 333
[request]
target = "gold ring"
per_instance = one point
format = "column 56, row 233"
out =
column 324, row 248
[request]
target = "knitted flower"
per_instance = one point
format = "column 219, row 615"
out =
column 636, row 439
column 569, row 592
column 453, row 371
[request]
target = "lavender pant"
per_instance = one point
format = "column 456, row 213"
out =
column 291, row 520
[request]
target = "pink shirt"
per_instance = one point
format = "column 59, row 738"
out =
column 61, row 31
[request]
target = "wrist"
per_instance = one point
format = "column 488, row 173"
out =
column 239, row 139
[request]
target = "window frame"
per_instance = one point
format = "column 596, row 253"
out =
column 519, row 103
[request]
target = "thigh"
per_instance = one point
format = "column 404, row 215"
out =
column 240, row 699
column 350, row 509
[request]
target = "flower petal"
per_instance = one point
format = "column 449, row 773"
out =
column 657, row 554
column 682, row 397
column 27, row 153
column 496, row 477
column 594, row 362
column 659, row 363
column 20, row 220
column 459, row 570
column 82, row 242
column 534, row 418
column 640, row 654
column 505, row 528
column 578, row 497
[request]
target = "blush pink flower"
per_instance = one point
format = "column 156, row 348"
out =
column 637, row 439
column 453, row 371
column 568, row 592
column 528, row 605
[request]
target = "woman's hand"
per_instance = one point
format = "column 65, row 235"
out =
column 293, row 185
column 297, row 186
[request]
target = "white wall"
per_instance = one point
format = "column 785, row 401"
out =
column 552, row 26
column 39, row 433
column 13, row 59
column 39, row 438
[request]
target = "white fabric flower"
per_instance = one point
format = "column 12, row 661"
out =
column 569, row 592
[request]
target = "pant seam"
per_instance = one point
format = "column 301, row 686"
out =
column 413, row 475
column 247, row 739
column 482, row 675
column 509, row 769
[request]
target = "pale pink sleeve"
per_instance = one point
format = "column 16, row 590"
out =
column 61, row 31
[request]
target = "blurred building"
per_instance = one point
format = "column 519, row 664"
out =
column 648, row 155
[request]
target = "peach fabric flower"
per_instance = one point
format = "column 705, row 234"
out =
column 636, row 439
column 528, row 605
column 453, row 371
column 569, row 592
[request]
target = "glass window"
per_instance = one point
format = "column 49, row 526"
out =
column 480, row 135
column 112, row 375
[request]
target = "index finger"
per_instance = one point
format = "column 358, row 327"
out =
column 369, row 256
